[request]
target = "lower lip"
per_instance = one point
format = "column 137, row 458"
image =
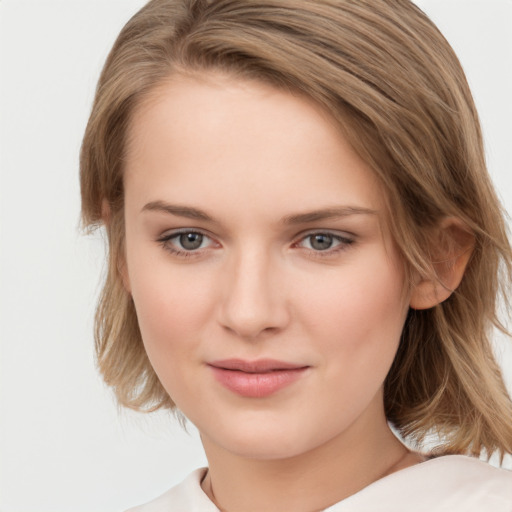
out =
column 257, row 385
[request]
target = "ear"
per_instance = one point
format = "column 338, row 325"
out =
column 117, row 247
column 452, row 246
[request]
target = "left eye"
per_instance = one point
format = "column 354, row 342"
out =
column 323, row 241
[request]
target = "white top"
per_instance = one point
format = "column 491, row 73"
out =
column 453, row 483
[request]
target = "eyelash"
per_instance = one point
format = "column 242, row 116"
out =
column 165, row 242
column 344, row 242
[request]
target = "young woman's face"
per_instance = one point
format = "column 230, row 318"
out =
column 269, row 294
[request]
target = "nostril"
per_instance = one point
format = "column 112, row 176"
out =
column 251, row 305
column 249, row 331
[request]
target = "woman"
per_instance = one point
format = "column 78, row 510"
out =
column 305, row 248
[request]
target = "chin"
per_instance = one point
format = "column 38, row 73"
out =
column 270, row 447
column 266, row 439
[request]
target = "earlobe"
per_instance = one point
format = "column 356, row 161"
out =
column 452, row 247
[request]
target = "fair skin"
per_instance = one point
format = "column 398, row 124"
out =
column 253, row 233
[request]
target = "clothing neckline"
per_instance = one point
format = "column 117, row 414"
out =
column 430, row 460
column 396, row 476
column 440, row 481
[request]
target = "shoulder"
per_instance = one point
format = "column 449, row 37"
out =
column 452, row 483
column 187, row 495
column 457, row 482
column 458, row 473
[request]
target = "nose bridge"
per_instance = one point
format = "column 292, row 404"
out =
column 253, row 302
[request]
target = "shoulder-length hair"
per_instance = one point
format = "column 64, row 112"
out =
column 395, row 87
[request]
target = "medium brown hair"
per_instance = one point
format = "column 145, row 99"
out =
column 395, row 87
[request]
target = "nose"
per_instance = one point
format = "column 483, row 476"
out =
column 254, row 298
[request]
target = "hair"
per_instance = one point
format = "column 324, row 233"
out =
column 397, row 91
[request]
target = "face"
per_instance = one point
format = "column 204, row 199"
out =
column 268, row 291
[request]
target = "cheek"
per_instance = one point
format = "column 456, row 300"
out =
column 356, row 328
column 172, row 315
column 173, row 305
column 359, row 312
column 166, row 303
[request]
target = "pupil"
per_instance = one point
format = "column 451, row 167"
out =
column 321, row 242
column 191, row 241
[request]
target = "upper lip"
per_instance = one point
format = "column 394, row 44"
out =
column 258, row 366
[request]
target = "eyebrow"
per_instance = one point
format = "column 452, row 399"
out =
column 300, row 218
column 327, row 213
column 180, row 211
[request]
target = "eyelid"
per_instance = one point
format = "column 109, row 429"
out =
column 344, row 238
column 179, row 231
column 165, row 240
column 336, row 233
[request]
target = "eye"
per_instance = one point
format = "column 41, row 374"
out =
column 320, row 241
column 185, row 242
column 324, row 242
column 190, row 241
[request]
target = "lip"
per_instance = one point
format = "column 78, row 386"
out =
column 256, row 379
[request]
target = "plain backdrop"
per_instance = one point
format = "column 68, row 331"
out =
column 64, row 446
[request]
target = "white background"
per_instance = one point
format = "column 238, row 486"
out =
column 64, row 446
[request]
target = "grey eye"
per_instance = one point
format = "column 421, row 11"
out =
column 321, row 242
column 191, row 241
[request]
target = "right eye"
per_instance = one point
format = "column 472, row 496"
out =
column 185, row 242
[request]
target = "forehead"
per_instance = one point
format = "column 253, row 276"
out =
column 243, row 141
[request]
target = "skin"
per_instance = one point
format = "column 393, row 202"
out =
column 250, row 157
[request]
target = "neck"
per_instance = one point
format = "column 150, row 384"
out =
column 311, row 481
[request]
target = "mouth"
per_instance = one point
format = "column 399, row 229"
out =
column 256, row 379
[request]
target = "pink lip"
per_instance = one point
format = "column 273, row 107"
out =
column 256, row 379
